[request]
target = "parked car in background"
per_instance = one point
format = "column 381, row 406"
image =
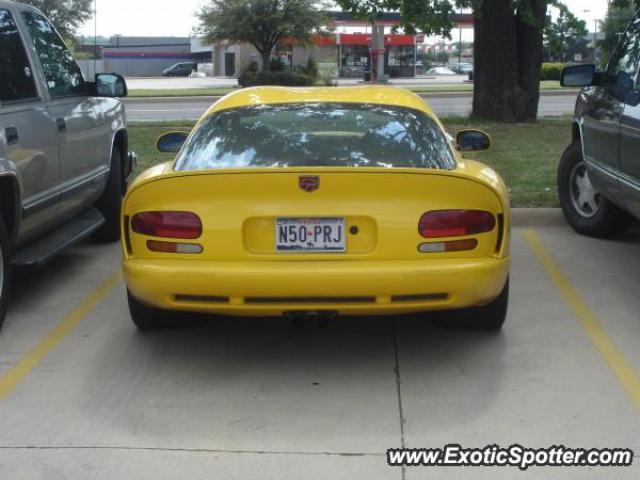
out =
column 462, row 68
column 180, row 69
column 64, row 159
column 440, row 71
column 599, row 173
column 318, row 202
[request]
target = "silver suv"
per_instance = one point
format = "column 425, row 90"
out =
column 64, row 159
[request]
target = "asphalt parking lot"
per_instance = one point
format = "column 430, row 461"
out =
column 84, row 395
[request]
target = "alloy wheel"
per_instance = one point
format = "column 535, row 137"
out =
column 584, row 197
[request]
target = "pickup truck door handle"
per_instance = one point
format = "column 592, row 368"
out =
column 11, row 134
column 62, row 125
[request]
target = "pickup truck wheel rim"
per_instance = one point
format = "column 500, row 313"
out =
column 585, row 198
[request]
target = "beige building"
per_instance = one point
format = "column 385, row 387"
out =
column 229, row 59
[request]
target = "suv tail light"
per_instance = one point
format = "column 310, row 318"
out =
column 167, row 224
column 455, row 223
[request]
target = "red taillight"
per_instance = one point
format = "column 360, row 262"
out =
column 455, row 223
column 167, row 224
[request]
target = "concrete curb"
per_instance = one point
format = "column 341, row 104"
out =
column 537, row 217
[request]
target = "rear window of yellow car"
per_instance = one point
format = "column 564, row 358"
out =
column 317, row 135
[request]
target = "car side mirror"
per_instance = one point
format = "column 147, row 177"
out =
column 171, row 142
column 473, row 141
column 110, row 85
column 578, row 76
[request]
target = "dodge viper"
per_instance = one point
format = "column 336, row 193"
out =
column 318, row 202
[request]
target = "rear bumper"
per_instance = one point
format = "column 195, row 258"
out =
column 263, row 288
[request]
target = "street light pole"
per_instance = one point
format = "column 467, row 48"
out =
column 595, row 40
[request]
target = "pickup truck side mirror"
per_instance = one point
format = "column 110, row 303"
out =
column 579, row 76
column 473, row 141
column 171, row 142
column 110, row 85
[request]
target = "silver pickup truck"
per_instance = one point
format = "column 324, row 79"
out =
column 64, row 159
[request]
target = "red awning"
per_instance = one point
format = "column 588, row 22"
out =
column 399, row 40
column 354, row 39
column 365, row 39
column 320, row 40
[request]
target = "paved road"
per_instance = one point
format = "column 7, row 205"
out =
column 191, row 109
column 248, row 399
column 160, row 83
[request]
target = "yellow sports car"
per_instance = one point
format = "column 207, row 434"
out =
column 318, row 202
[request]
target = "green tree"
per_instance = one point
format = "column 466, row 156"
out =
column 619, row 14
column 66, row 15
column 262, row 23
column 508, row 47
column 624, row 3
column 565, row 35
column 442, row 56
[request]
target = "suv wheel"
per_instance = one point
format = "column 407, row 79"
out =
column 110, row 202
column 587, row 211
column 5, row 271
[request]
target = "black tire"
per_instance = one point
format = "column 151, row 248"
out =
column 145, row 317
column 606, row 220
column 110, row 202
column 5, row 271
column 493, row 315
column 488, row 317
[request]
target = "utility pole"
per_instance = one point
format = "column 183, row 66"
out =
column 95, row 37
column 377, row 53
column 595, row 36
column 460, row 42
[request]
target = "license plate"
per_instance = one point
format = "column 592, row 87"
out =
column 310, row 235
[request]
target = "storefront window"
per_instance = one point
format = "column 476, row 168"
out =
column 284, row 55
column 400, row 61
column 354, row 60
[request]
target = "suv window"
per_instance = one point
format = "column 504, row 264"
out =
column 623, row 67
column 16, row 77
column 63, row 75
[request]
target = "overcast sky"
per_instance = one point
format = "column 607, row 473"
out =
column 148, row 18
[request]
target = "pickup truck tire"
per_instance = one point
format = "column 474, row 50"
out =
column 110, row 202
column 5, row 271
column 599, row 217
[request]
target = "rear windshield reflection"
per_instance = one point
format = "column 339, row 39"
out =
column 317, row 135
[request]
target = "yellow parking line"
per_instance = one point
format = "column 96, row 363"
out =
column 13, row 377
column 616, row 360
